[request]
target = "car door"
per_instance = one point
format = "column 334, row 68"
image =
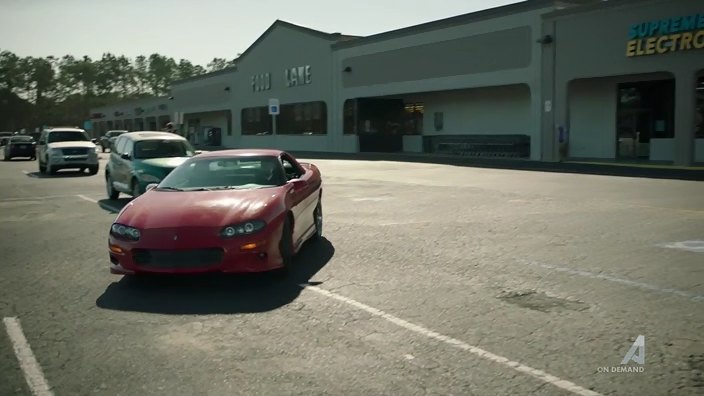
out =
column 41, row 148
column 117, row 166
column 302, row 200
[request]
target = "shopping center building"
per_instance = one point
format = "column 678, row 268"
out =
column 542, row 80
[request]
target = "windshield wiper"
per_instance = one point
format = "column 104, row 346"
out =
column 170, row 188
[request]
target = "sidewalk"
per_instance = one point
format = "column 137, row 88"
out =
column 695, row 173
column 655, row 171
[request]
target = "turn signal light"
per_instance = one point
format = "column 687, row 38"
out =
column 115, row 249
column 248, row 246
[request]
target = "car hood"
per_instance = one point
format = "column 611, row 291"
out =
column 170, row 209
column 171, row 162
column 71, row 144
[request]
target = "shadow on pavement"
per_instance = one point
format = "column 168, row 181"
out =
column 217, row 293
column 59, row 174
column 114, row 205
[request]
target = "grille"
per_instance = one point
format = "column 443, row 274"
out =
column 177, row 258
column 75, row 151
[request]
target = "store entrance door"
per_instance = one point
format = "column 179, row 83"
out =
column 645, row 112
column 633, row 140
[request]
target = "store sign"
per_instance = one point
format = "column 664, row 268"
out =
column 681, row 33
column 261, row 82
column 297, row 76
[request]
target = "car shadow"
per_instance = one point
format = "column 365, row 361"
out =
column 59, row 174
column 218, row 293
column 114, row 205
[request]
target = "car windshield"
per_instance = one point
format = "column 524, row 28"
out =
column 226, row 173
column 68, row 136
column 162, row 148
column 23, row 139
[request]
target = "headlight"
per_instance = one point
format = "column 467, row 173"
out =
column 247, row 228
column 126, row 232
column 55, row 152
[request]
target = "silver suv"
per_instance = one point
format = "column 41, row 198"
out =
column 66, row 148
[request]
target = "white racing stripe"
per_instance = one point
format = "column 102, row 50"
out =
column 31, row 369
column 539, row 374
column 627, row 282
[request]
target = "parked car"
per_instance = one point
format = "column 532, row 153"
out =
column 231, row 211
column 140, row 158
column 108, row 139
column 20, row 146
column 4, row 137
column 66, row 148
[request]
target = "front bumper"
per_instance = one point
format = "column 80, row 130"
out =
column 196, row 251
column 18, row 151
column 74, row 161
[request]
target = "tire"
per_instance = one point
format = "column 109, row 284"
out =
column 135, row 189
column 93, row 170
column 318, row 221
column 42, row 169
column 112, row 193
column 285, row 249
column 102, row 148
column 51, row 170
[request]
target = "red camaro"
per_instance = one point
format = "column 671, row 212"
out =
column 222, row 211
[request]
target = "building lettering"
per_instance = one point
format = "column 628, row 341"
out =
column 261, row 82
column 297, row 76
column 683, row 33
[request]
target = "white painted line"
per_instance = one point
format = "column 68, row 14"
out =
column 31, row 369
column 539, row 374
column 639, row 285
column 87, row 199
column 101, row 204
column 691, row 246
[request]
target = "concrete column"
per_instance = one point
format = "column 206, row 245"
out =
column 685, row 108
column 546, row 94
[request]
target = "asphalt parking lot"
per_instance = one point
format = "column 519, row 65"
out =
column 431, row 279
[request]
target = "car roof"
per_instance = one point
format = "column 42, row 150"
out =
column 65, row 129
column 242, row 153
column 150, row 135
column 117, row 130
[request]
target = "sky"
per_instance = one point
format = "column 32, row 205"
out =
column 198, row 30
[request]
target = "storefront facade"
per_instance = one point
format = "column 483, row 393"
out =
column 539, row 80
column 136, row 115
column 624, row 80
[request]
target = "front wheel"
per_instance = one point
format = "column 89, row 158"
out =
column 285, row 249
column 112, row 193
column 318, row 220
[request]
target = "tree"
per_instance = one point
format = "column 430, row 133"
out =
column 61, row 90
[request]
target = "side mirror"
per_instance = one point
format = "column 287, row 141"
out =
column 125, row 156
column 94, row 140
column 151, row 186
column 198, row 152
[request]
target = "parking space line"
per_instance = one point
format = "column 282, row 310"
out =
column 538, row 374
column 639, row 285
column 86, row 198
column 30, row 367
column 101, row 204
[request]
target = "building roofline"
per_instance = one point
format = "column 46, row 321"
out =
column 495, row 12
column 611, row 4
column 276, row 24
column 229, row 69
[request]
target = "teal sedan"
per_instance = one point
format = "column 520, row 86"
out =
column 138, row 159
